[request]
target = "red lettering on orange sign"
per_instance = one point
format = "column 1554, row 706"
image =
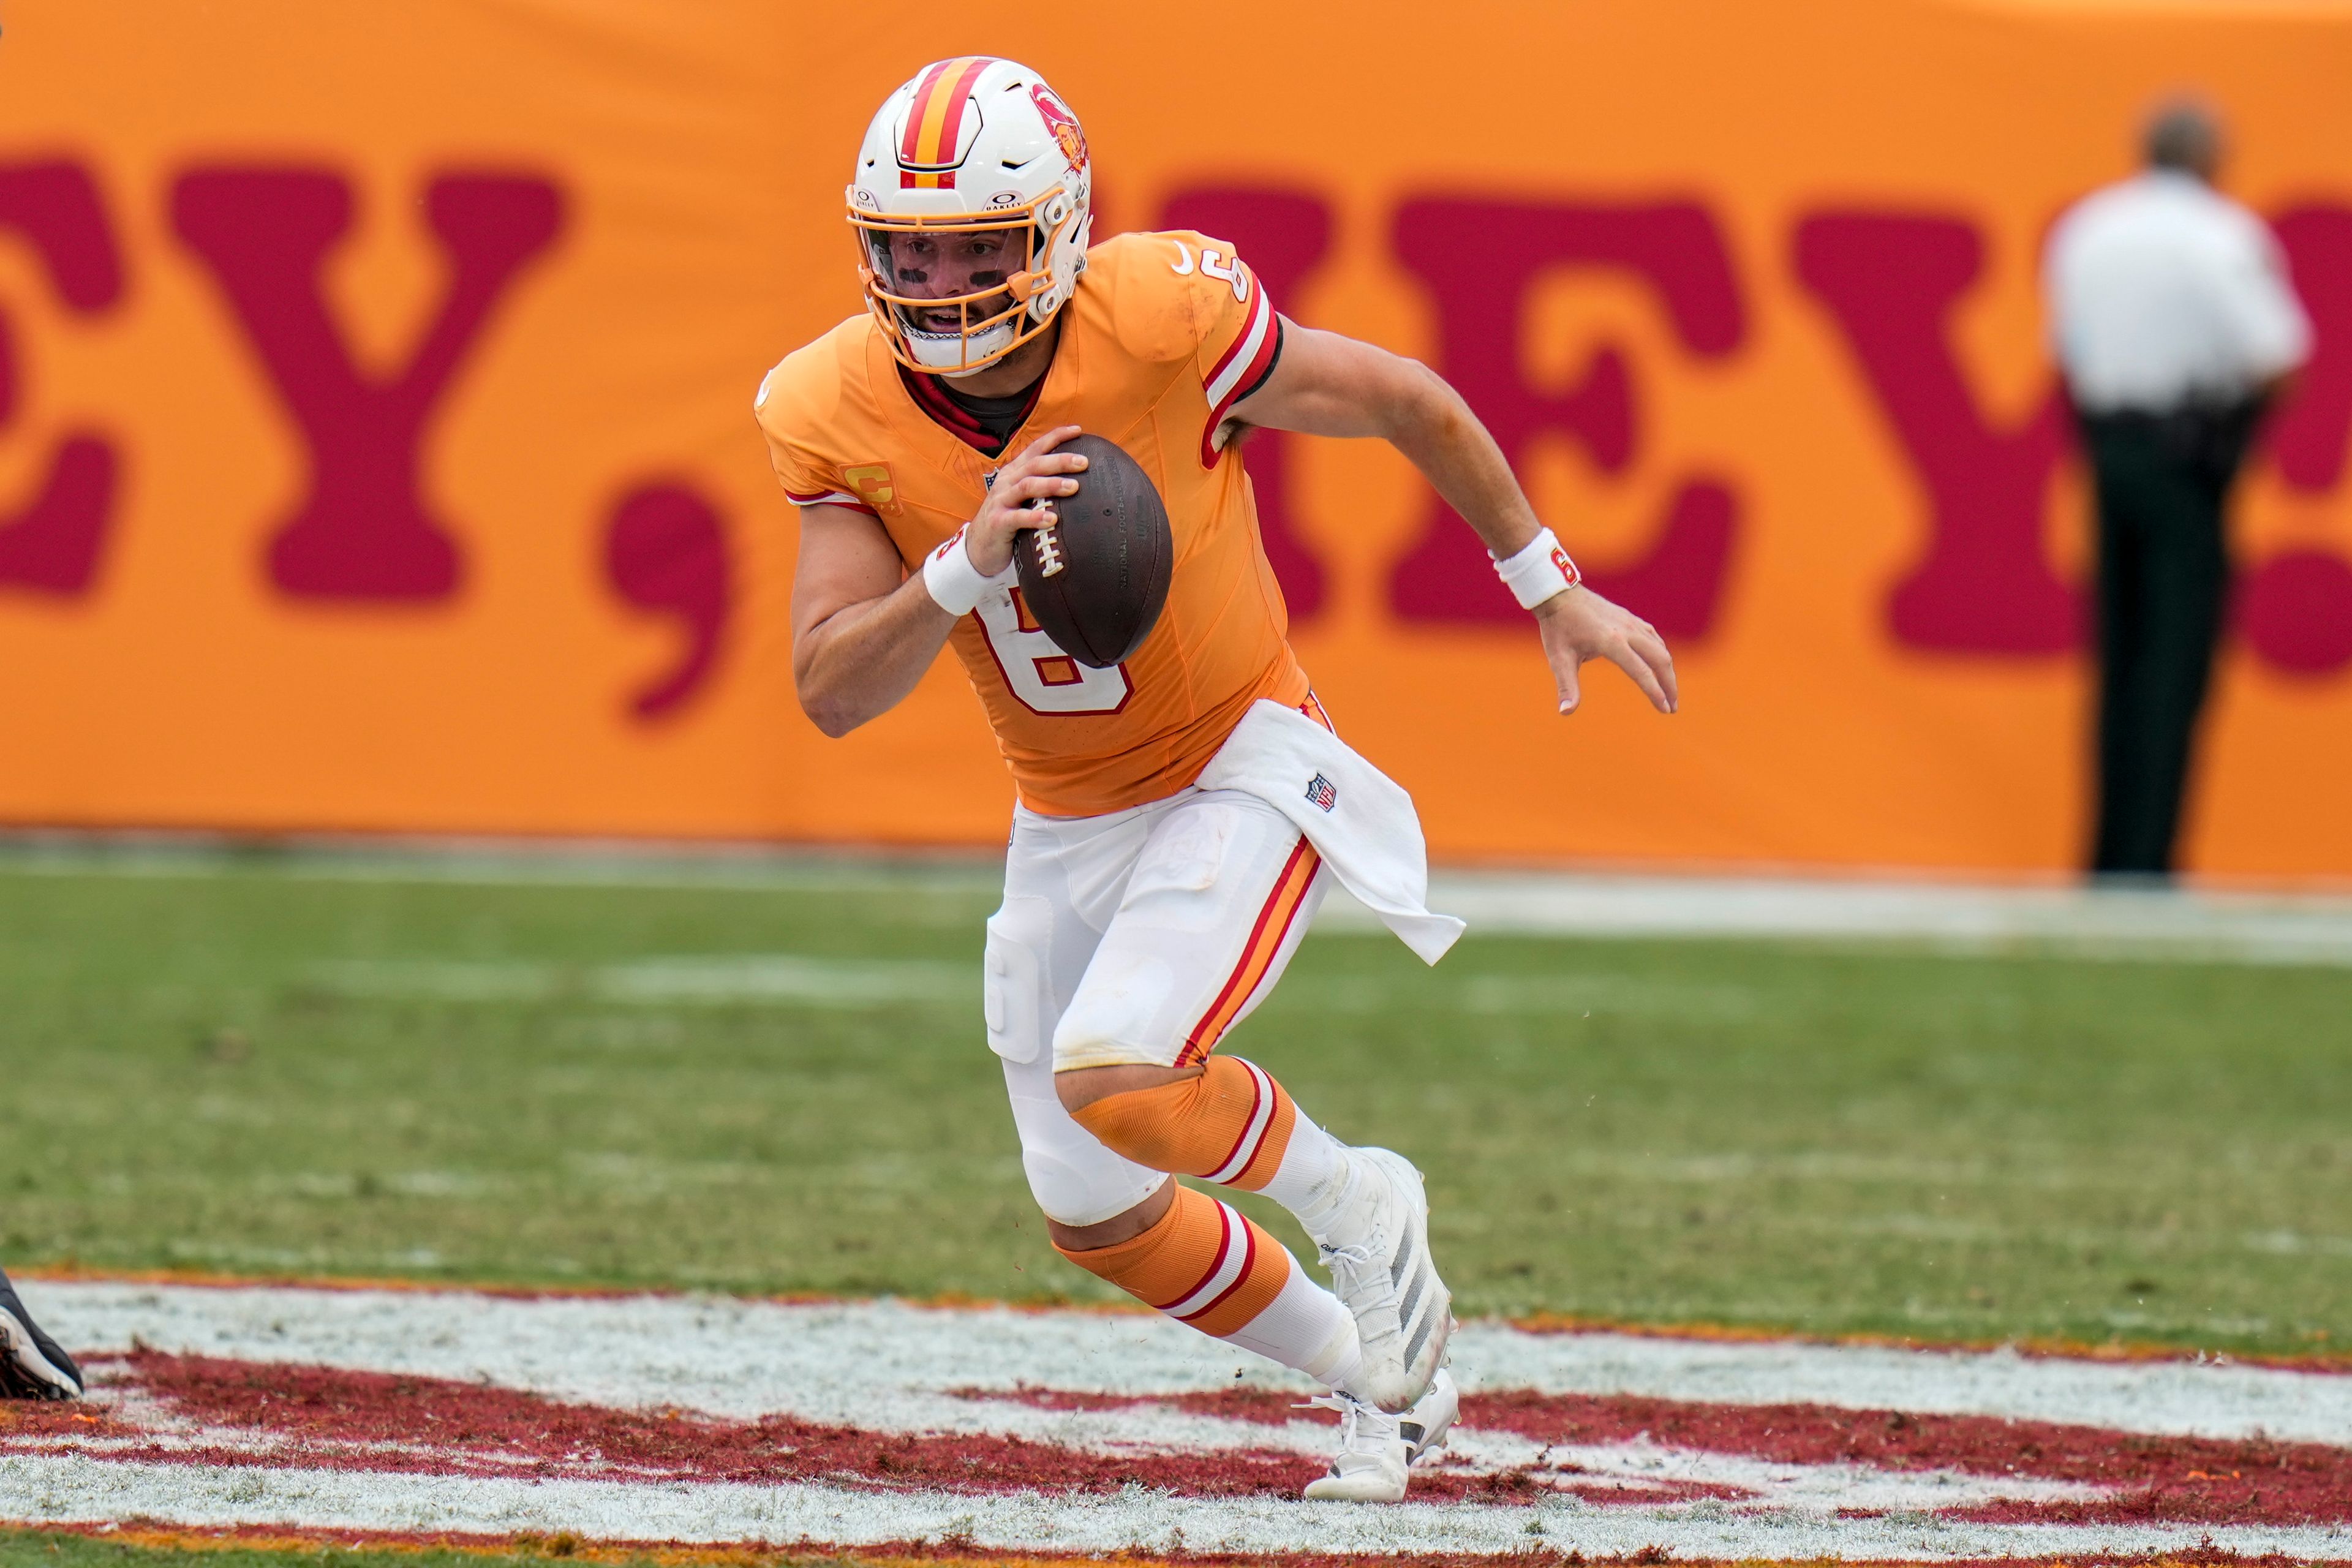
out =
column 361, row 531
column 2310, row 435
column 665, row 552
column 1479, row 259
column 51, row 543
column 1283, row 235
column 1891, row 281
column 2296, row 609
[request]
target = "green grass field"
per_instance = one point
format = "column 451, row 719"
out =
column 783, row 1087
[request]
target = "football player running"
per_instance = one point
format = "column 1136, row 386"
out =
column 1164, row 861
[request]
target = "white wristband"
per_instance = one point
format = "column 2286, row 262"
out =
column 1542, row 570
column 954, row 582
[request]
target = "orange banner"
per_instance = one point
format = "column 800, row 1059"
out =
column 376, row 452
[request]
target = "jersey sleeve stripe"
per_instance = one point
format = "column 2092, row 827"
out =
column 1242, row 367
column 830, row 497
column 1235, row 365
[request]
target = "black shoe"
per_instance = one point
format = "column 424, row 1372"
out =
column 32, row 1364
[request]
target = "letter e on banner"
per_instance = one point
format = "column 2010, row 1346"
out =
column 1677, row 249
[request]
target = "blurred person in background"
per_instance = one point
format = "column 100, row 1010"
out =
column 32, row 1364
column 2175, row 327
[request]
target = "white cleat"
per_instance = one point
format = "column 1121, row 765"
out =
column 1376, row 1450
column 32, row 1364
column 1376, row 1245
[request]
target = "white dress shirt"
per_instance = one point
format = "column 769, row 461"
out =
column 2162, row 291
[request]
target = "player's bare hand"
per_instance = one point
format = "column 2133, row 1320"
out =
column 1580, row 624
column 1022, row 495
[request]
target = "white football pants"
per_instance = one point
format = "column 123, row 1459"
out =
column 1136, row 937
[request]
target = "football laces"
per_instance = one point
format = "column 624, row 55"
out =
column 1049, row 552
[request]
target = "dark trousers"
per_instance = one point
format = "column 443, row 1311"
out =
column 2163, row 577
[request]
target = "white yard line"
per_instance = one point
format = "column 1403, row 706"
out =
column 2196, row 924
column 48, row 1489
column 2173, row 1398
column 887, row 1365
column 778, row 979
column 2170, row 925
column 493, row 862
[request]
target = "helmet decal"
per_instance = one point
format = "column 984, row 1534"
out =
column 1062, row 123
column 938, row 121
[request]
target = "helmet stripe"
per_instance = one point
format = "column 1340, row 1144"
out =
column 925, row 90
column 935, row 118
column 958, row 94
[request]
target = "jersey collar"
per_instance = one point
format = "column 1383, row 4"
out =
column 932, row 437
column 960, row 421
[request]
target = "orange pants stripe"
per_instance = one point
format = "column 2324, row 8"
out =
column 1266, row 939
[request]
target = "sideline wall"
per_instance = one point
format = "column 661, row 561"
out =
column 375, row 445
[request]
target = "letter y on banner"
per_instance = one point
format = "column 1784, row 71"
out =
column 1892, row 280
column 361, row 531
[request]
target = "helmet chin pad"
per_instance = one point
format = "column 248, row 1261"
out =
column 950, row 351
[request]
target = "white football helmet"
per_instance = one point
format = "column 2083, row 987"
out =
column 972, row 145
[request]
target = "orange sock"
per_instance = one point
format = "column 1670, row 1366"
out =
column 1231, row 1125
column 1202, row 1264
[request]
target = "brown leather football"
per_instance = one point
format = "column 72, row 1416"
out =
column 1097, row 581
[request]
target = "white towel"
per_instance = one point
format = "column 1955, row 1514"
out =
column 1359, row 819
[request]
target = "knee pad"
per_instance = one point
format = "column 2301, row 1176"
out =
column 1069, row 1193
column 1014, row 1003
column 1074, row 1178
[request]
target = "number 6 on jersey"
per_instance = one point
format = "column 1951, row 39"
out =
column 1045, row 679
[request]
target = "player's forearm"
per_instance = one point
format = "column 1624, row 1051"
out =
column 1432, row 425
column 861, row 661
column 1324, row 384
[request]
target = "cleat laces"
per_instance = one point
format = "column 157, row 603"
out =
column 1366, row 1435
column 1361, row 1281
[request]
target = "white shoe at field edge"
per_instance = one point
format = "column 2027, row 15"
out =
column 1376, row 1449
column 1376, row 1245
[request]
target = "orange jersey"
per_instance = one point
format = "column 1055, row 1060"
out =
column 1165, row 332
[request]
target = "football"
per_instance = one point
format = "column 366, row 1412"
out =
column 1096, row 580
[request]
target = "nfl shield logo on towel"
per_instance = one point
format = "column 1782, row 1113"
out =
column 1320, row 792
